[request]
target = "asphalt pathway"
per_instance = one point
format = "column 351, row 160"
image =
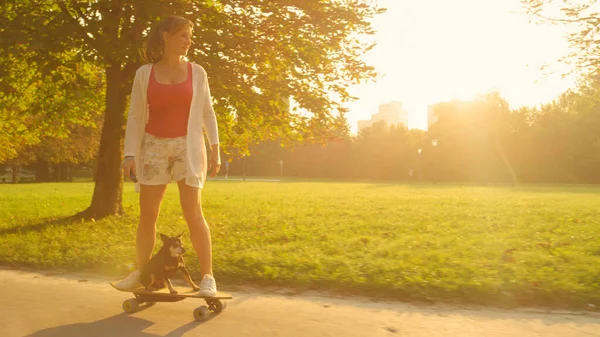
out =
column 42, row 305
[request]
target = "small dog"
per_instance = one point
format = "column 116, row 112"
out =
column 164, row 266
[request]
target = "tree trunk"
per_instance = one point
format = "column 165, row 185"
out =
column 107, row 198
column 68, row 174
column 56, row 173
column 63, row 172
column 42, row 171
column 15, row 174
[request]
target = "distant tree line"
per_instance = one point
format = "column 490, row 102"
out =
column 481, row 141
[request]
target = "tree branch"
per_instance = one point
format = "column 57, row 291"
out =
column 74, row 21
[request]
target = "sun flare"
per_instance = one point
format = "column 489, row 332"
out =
column 435, row 50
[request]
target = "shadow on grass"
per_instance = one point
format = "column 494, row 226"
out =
column 45, row 223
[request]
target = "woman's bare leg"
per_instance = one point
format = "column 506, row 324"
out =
column 199, row 232
column 150, row 200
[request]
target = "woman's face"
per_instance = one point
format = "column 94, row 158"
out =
column 179, row 42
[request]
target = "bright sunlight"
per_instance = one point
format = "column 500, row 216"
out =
column 435, row 50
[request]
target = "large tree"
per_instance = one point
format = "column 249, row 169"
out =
column 274, row 66
column 582, row 19
column 576, row 112
column 40, row 104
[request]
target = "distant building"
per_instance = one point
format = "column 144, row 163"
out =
column 391, row 113
column 364, row 124
column 431, row 117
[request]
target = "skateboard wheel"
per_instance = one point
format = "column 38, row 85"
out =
column 219, row 306
column 131, row 305
column 200, row 313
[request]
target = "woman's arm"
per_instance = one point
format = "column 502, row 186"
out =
column 136, row 109
column 210, row 119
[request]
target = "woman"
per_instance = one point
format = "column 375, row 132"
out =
column 170, row 106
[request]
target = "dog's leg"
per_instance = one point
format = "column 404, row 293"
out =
column 188, row 278
column 171, row 289
column 150, row 284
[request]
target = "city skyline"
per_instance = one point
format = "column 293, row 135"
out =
column 392, row 113
column 484, row 46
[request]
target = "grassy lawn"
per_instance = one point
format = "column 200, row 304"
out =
column 532, row 245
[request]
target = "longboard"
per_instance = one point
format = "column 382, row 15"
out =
column 214, row 303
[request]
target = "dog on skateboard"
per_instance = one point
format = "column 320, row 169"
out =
column 163, row 266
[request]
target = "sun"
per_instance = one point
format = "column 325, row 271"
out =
column 437, row 50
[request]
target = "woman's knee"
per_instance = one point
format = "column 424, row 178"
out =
column 148, row 217
column 150, row 200
column 189, row 198
column 191, row 207
column 149, row 211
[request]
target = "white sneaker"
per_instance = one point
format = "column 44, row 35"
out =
column 130, row 282
column 208, row 286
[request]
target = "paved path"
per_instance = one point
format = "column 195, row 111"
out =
column 42, row 305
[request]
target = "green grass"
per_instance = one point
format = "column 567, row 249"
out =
column 532, row 245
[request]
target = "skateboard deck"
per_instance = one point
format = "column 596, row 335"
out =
column 182, row 292
column 163, row 295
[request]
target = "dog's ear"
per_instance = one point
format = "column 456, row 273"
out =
column 164, row 238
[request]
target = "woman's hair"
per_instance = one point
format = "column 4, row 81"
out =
column 155, row 46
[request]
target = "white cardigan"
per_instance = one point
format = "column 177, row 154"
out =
column 201, row 116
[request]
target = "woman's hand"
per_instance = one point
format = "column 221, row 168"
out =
column 128, row 167
column 214, row 162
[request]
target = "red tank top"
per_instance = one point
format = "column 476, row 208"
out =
column 169, row 106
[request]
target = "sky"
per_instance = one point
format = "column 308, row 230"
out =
column 435, row 50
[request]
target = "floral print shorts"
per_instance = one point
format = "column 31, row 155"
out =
column 163, row 160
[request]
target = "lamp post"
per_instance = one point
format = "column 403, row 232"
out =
column 244, row 167
column 420, row 165
column 434, row 142
column 281, row 167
